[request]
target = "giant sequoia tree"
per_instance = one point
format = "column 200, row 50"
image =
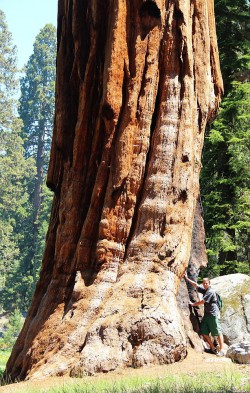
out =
column 137, row 81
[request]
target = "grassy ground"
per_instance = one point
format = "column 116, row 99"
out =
column 199, row 373
column 182, row 384
column 201, row 383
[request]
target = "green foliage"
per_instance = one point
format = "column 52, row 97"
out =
column 15, row 170
column 37, row 113
column 226, row 160
column 225, row 183
column 38, row 95
column 24, row 149
column 12, row 330
column 44, row 214
column 4, row 356
column 233, row 32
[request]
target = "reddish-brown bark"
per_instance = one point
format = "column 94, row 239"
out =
column 137, row 81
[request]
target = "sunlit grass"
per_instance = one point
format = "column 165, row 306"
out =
column 4, row 356
column 223, row 382
column 200, row 383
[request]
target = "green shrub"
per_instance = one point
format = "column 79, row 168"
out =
column 12, row 330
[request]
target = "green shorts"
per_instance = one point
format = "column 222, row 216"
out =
column 210, row 324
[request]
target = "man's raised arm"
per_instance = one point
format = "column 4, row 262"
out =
column 193, row 283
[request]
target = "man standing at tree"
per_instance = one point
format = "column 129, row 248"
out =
column 210, row 322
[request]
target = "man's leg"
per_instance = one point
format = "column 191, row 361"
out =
column 205, row 332
column 217, row 331
column 221, row 341
column 209, row 341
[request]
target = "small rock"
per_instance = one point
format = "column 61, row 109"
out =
column 240, row 352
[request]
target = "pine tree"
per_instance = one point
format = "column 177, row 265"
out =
column 233, row 31
column 15, row 171
column 226, row 172
column 37, row 112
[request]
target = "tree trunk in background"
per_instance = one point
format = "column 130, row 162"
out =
column 137, row 82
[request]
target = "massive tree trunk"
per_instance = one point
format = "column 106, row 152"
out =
column 137, row 82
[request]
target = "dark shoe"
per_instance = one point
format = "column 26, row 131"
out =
column 213, row 352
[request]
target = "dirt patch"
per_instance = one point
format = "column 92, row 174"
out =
column 195, row 363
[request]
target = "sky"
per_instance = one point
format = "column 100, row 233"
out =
column 25, row 19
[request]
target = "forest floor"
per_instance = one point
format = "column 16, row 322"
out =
column 196, row 363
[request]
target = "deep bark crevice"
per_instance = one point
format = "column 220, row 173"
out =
column 149, row 153
column 131, row 38
column 150, row 17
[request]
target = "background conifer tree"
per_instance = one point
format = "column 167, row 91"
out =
column 37, row 112
column 15, row 175
column 225, row 176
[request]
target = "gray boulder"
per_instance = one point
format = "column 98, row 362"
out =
column 239, row 353
column 235, row 314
